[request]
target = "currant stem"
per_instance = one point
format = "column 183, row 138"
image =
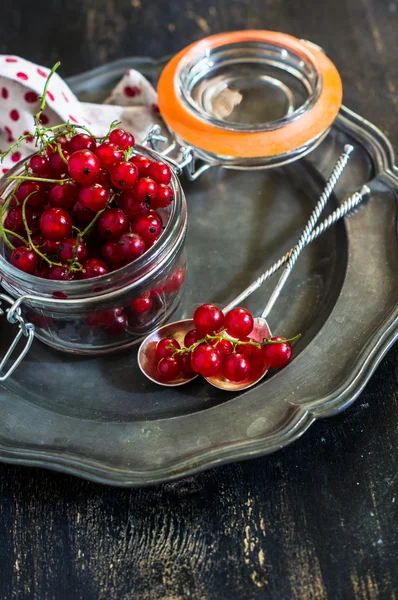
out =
column 40, row 130
column 222, row 336
column 29, row 178
column 19, row 237
column 4, row 233
column 127, row 153
column 16, row 144
column 73, row 260
column 28, row 233
column 61, row 154
column 43, row 96
column 111, row 128
column 84, row 129
column 92, row 223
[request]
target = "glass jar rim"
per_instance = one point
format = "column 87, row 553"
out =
column 227, row 145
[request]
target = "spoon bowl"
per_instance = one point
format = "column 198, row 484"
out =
column 146, row 352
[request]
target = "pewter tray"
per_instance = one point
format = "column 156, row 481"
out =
column 100, row 419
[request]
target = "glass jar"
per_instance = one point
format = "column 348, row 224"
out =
column 99, row 315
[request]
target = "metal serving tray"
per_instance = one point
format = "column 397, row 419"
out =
column 101, row 419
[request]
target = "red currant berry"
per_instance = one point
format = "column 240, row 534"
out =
column 37, row 240
column 239, row 322
column 14, row 220
column 112, row 224
column 34, row 190
column 57, row 165
column 191, row 338
column 82, row 141
column 141, row 304
column 235, row 367
column 83, row 166
column 142, row 163
column 159, row 172
column 25, row 259
column 131, row 247
column 124, row 175
column 149, row 227
column 83, row 215
column 63, row 195
column 95, row 320
column 166, row 347
column 164, row 196
column 185, row 363
column 51, row 246
column 50, row 149
column 121, row 138
column 103, row 178
column 255, row 358
column 129, row 204
column 57, row 273
column 94, row 244
column 94, row 267
column 106, row 318
column 168, row 369
column 42, row 271
column 71, row 249
column 109, row 155
column 145, row 189
column 40, row 165
column 56, row 224
column 208, row 319
column 223, row 346
column 111, row 253
column 119, row 322
column 174, row 282
column 206, row 360
column 16, row 242
column 94, row 197
column 63, row 141
column 33, row 219
column 277, row 355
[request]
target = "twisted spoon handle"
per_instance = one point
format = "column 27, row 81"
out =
column 344, row 209
column 316, row 213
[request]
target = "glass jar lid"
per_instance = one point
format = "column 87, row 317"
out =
column 250, row 98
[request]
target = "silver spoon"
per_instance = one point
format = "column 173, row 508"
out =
column 179, row 329
column 261, row 329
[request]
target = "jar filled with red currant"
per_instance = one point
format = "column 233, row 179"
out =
column 94, row 264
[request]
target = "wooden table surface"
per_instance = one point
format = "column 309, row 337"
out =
column 316, row 520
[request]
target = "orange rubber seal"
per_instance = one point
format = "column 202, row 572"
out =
column 296, row 134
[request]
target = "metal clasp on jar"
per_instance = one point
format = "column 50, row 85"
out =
column 186, row 165
column 27, row 330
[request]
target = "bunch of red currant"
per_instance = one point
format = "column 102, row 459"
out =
column 83, row 207
column 221, row 346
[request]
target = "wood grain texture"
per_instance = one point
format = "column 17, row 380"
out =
column 317, row 520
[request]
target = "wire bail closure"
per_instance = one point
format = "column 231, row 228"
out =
column 186, row 165
column 27, row 330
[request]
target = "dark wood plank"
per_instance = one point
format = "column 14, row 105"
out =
column 314, row 521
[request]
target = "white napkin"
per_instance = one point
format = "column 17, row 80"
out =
column 133, row 102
